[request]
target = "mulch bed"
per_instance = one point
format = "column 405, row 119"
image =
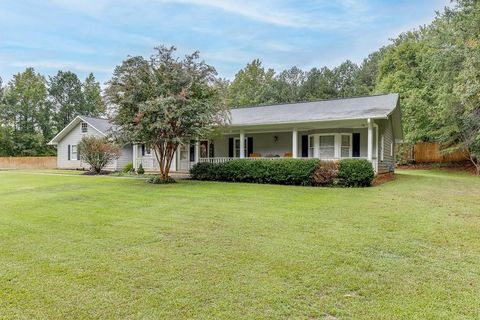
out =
column 91, row 173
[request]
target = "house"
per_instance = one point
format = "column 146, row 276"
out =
column 359, row 127
column 67, row 140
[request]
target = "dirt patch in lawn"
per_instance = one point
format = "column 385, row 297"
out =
column 382, row 178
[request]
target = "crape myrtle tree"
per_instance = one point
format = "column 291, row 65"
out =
column 165, row 101
column 98, row 152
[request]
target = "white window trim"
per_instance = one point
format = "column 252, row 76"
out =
column 350, row 151
column 337, row 143
column 73, row 155
column 391, row 149
column 235, row 148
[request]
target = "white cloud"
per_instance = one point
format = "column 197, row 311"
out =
column 286, row 15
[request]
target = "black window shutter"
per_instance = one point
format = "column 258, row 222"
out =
column 143, row 150
column 68, row 152
column 192, row 151
column 304, row 146
column 230, row 147
column 78, row 153
column 356, row 145
column 249, row 146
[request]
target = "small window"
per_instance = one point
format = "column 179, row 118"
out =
column 148, row 151
column 84, row 127
column 382, row 147
column 74, row 152
column 345, row 147
column 311, row 147
column 391, row 149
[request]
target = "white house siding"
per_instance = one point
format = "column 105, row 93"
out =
column 385, row 129
column 126, row 157
column 73, row 138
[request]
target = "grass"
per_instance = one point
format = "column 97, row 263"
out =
column 82, row 247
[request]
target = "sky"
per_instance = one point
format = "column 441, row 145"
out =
column 86, row 36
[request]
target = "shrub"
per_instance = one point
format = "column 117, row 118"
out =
column 128, row 168
column 98, row 152
column 203, row 171
column 325, row 173
column 160, row 180
column 281, row 171
column 140, row 169
column 355, row 173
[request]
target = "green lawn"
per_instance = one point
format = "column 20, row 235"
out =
column 105, row 247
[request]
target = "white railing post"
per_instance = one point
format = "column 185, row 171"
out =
column 242, row 144
column 294, row 143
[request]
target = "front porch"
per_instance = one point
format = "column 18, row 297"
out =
column 327, row 141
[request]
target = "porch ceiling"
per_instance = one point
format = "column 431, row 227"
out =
column 286, row 127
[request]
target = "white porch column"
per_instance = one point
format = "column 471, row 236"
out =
column 135, row 156
column 294, row 143
column 370, row 140
column 197, row 151
column 173, row 166
column 242, row 144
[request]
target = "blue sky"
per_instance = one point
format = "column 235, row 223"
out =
column 96, row 35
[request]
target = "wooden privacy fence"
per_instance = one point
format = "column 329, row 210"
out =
column 430, row 152
column 28, row 162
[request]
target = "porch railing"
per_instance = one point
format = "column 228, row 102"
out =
column 148, row 163
column 225, row 159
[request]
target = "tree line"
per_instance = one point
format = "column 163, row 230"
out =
column 435, row 69
column 33, row 109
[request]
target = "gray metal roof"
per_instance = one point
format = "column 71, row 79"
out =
column 379, row 106
column 103, row 125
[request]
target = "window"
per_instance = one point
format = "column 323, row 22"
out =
column 74, row 152
column 345, row 147
column 146, row 151
column 327, row 146
column 237, row 148
column 391, row 149
column 311, row 147
column 84, row 127
column 382, row 147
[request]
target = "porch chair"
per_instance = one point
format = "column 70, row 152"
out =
column 287, row 155
column 255, row 155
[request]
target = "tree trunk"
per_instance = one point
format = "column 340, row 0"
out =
column 164, row 153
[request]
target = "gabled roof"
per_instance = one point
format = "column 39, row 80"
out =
column 101, row 125
column 375, row 107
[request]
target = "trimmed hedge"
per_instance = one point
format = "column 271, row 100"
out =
column 281, row 171
column 305, row 172
column 355, row 173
